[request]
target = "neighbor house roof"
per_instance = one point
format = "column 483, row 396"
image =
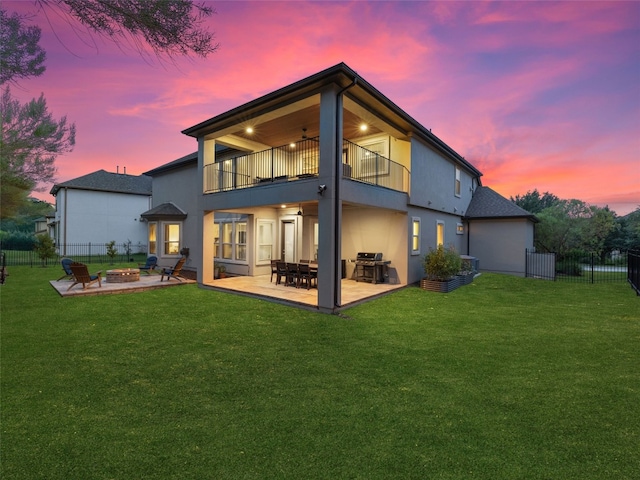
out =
column 167, row 210
column 487, row 203
column 104, row 181
column 354, row 86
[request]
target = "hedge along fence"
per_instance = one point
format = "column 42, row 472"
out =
column 80, row 252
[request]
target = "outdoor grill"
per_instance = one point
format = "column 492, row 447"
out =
column 370, row 267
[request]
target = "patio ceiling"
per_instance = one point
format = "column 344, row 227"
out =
column 289, row 127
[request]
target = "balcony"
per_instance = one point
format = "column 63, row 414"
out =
column 298, row 161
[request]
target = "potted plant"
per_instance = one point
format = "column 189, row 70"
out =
column 441, row 266
column 466, row 272
column 222, row 271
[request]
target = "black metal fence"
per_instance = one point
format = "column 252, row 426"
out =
column 633, row 269
column 80, row 252
column 579, row 267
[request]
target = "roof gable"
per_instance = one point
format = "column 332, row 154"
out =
column 487, row 203
column 167, row 210
column 104, row 181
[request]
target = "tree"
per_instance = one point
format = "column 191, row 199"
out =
column 533, row 202
column 44, row 248
column 168, row 27
column 31, row 140
column 20, row 54
column 572, row 225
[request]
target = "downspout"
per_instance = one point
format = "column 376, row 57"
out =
column 338, row 181
column 64, row 219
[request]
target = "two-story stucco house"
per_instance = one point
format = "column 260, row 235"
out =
column 321, row 169
column 99, row 207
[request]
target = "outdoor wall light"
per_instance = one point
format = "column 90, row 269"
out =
column 321, row 189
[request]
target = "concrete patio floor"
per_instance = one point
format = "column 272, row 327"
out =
column 352, row 292
column 146, row 282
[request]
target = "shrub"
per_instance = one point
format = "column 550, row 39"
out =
column 442, row 263
column 44, row 247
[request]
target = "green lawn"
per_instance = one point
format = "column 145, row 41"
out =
column 506, row 378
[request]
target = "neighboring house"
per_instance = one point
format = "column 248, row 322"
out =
column 499, row 232
column 45, row 225
column 100, row 207
column 321, row 169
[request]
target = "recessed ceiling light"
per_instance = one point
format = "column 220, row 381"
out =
column 363, row 127
column 249, row 130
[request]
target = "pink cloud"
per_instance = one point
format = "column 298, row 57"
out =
column 545, row 98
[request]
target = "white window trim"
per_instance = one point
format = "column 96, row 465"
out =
column 457, row 184
column 161, row 244
column 234, row 243
column 258, row 244
column 419, row 235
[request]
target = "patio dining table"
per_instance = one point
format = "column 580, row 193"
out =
column 291, row 273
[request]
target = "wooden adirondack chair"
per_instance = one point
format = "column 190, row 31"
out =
column 173, row 272
column 81, row 275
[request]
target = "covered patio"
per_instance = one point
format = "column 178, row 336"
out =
column 260, row 286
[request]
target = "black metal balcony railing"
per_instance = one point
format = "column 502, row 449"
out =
column 298, row 161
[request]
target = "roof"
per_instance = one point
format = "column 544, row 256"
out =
column 167, row 210
column 178, row 163
column 487, row 204
column 104, row 181
column 353, row 85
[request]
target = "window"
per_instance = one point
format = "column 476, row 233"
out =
column 265, row 241
column 241, row 241
column 457, row 184
column 153, row 232
column 216, row 240
column 230, row 240
column 171, row 238
column 227, row 240
column 459, row 229
column 439, row 233
column 373, row 160
column 415, row 236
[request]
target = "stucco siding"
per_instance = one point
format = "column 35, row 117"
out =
column 99, row 217
column 500, row 245
column 433, row 181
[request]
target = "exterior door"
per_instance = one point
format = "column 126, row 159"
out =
column 288, row 245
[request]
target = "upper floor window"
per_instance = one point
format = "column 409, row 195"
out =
column 415, row 236
column 457, row 188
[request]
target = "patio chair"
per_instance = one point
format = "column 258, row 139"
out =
column 281, row 272
column 306, row 275
column 81, row 275
column 66, row 266
column 173, row 272
column 149, row 266
column 292, row 278
column 274, row 270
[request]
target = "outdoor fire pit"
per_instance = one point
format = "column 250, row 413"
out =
column 123, row 275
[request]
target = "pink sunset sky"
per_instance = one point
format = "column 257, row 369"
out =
column 537, row 95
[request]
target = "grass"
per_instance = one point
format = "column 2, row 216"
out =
column 506, row 378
